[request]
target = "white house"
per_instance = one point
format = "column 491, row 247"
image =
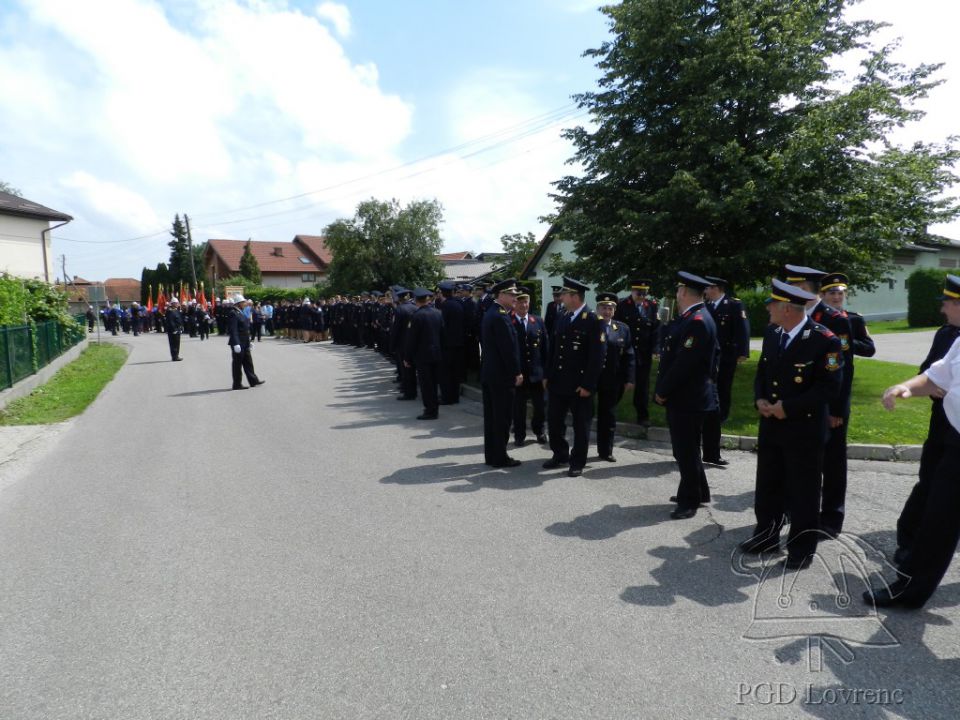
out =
column 25, row 245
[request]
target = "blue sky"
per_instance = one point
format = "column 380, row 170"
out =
column 124, row 112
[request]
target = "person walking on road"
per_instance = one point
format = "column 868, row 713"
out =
column 238, row 329
column 173, row 324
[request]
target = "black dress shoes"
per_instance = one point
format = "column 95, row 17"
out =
column 176, row 359
column 427, row 416
column 574, row 472
column 683, row 513
column 553, row 464
column 673, row 499
column 509, row 462
column 890, row 597
column 519, row 443
column 718, row 461
column 608, row 458
column 542, row 439
column 258, row 382
column 239, row 387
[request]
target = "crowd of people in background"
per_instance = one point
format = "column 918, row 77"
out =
column 576, row 363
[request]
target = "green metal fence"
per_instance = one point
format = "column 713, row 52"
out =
column 24, row 349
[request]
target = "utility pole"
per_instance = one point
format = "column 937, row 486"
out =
column 193, row 268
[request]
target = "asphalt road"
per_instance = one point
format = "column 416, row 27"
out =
column 308, row 549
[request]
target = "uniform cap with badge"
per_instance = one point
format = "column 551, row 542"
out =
column 802, row 273
column 421, row 292
column 834, row 281
column 694, row 282
column 574, row 286
column 607, row 298
column 784, row 292
column 556, row 289
column 508, row 286
column 642, row 284
column 524, row 293
column 951, row 288
column 715, row 281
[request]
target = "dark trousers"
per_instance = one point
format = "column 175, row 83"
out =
column 686, row 429
column 788, row 482
column 256, row 331
column 497, row 407
column 934, row 448
column 243, row 360
column 427, row 378
column 641, row 388
column 533, row 392
column 174, row 340
column 607, row 400
column 712, row 421
column 832, row 506
column 451, row 373
column 938, row 533
column 582, row 411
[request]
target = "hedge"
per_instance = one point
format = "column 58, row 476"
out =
column 924, row 288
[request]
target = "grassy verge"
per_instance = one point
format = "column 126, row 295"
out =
column 869, row 422
column 69, row 391
column 882, row 327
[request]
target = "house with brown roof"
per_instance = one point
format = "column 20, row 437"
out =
column 25, row 245
column 302, row 262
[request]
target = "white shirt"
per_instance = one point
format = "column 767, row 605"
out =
column 792, row 335
column 716, row 303
column 945, row 374
column 523, row 320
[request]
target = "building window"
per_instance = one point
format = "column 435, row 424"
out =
column 947, row 263
column 904, row 259
column 305, row 261
column 892, row 283
column 308, row 277
column 278, row 251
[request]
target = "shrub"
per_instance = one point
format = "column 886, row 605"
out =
column 924, row 287
column 754, row 302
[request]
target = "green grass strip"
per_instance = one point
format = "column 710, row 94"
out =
column 68, row 392
column 882, row 327
column 869, row 422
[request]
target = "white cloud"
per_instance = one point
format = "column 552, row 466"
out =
column 337, row 14
column 114, row 203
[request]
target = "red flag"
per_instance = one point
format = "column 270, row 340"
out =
column 161, row 301
column 183, row 295
column 202, row 298
column 213, row 300
column 150, row 299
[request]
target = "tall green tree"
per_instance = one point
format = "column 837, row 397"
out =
column 179, row 265
column 723, row 142
column 249, row 267
column 517, row 249
column 386, row 244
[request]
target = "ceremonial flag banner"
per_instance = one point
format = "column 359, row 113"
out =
column 150, row 298
column 202, row 299
column 183, row 295
column 161, row 301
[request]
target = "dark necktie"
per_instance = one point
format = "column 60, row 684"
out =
column 784, row 339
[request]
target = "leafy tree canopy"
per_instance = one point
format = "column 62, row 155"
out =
column 8, row 188
column 723, row 142
column 385, row 244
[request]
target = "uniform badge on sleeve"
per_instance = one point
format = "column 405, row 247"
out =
column 688, row 343
column 844, row 342
column 833, row 361
column 603, row 336
column 583, row 315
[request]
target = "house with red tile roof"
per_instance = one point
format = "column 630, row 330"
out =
column 302, row 262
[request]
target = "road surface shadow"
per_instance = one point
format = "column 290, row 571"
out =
column 611, row 520
column 201, row 392
column 476, row 476
column 699, row 572
column 913, row 681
